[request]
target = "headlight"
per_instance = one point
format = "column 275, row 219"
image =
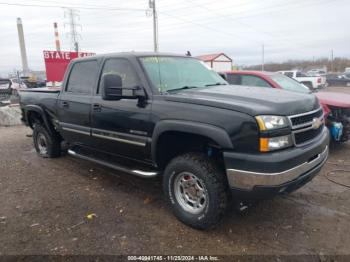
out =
column 274, row 143
column 271, row 122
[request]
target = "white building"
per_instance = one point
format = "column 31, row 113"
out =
column 219, row 62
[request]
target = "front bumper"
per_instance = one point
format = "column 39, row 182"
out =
column 276, row 170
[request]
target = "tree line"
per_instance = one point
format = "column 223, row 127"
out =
column 338, row 65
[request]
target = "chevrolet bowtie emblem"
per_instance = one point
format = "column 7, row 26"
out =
column 316, row 123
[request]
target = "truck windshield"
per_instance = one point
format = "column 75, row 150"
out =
column 168, row 73
column 290, row 84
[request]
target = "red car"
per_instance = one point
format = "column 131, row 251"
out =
column 336, row 106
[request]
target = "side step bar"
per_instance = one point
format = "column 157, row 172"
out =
column 136, row 172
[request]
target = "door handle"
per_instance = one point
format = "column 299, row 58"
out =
column 96, row 107
column 65, row 104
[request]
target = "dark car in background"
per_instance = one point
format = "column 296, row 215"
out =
column 5, row 83
column 336, row 106
column 5, row 89
column 338, row 80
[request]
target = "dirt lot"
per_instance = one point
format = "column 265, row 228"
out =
column 44, row 204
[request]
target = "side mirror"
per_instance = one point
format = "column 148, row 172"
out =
column 112, row 89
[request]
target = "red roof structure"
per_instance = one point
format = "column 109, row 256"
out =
column 212, row 57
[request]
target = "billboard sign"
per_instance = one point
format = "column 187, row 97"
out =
column 56, row 63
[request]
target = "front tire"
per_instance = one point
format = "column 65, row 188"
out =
column 46, row 145
column 196, row 190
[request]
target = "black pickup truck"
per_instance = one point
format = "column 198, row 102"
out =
column 155, row 114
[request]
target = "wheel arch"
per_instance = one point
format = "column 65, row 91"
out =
column 201, row 130
column 38, row 111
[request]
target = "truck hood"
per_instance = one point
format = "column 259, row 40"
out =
column 250, row 100
column 334, row 99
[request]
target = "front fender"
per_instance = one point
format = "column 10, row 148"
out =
column 217, row 134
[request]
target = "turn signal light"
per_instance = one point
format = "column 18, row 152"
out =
column 264, row 144
column 275, row 143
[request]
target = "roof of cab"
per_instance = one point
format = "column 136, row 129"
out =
column 129, row 54
column 250, row 72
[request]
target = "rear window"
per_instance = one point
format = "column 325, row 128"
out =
column 82, row 77
column 234, row 79
column 299, row 74
column 289, row 83
column 289, row 74
column 249, row 80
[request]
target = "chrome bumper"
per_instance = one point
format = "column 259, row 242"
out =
column 247, row 180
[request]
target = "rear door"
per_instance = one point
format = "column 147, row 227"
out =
column 74, row 103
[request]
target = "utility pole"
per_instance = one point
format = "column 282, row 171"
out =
column 332, row 59
column 152, row 5
column 263, row 58
column 74, row 35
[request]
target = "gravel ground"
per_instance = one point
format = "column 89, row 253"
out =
column 44, row 205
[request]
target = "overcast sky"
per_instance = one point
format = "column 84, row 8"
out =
column 289, row 29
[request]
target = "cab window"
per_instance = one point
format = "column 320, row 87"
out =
column 234, row 79
column 124, row 69
column 299, row 74
column 82, row 77
column 249, row 80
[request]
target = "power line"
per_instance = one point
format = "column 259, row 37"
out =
column 223, row 32
column 185, row 21
column 204, row 26
column 229, row 17
column 285, row 7
column 188, row 6
column 76, row 6
column 270, row 9
column 282, row 41
column 233, row 19
column 92, row 6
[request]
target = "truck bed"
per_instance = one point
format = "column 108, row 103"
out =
column 43, row 97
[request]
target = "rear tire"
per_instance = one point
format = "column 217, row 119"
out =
column 196, row 190
column 46, row 145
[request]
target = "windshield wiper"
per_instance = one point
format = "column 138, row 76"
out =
column 216, row 84
column 182, row 88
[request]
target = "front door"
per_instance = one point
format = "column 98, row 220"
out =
column 121, row 127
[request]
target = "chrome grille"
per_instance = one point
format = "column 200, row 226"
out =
column 304, row 126
column 304, row 119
